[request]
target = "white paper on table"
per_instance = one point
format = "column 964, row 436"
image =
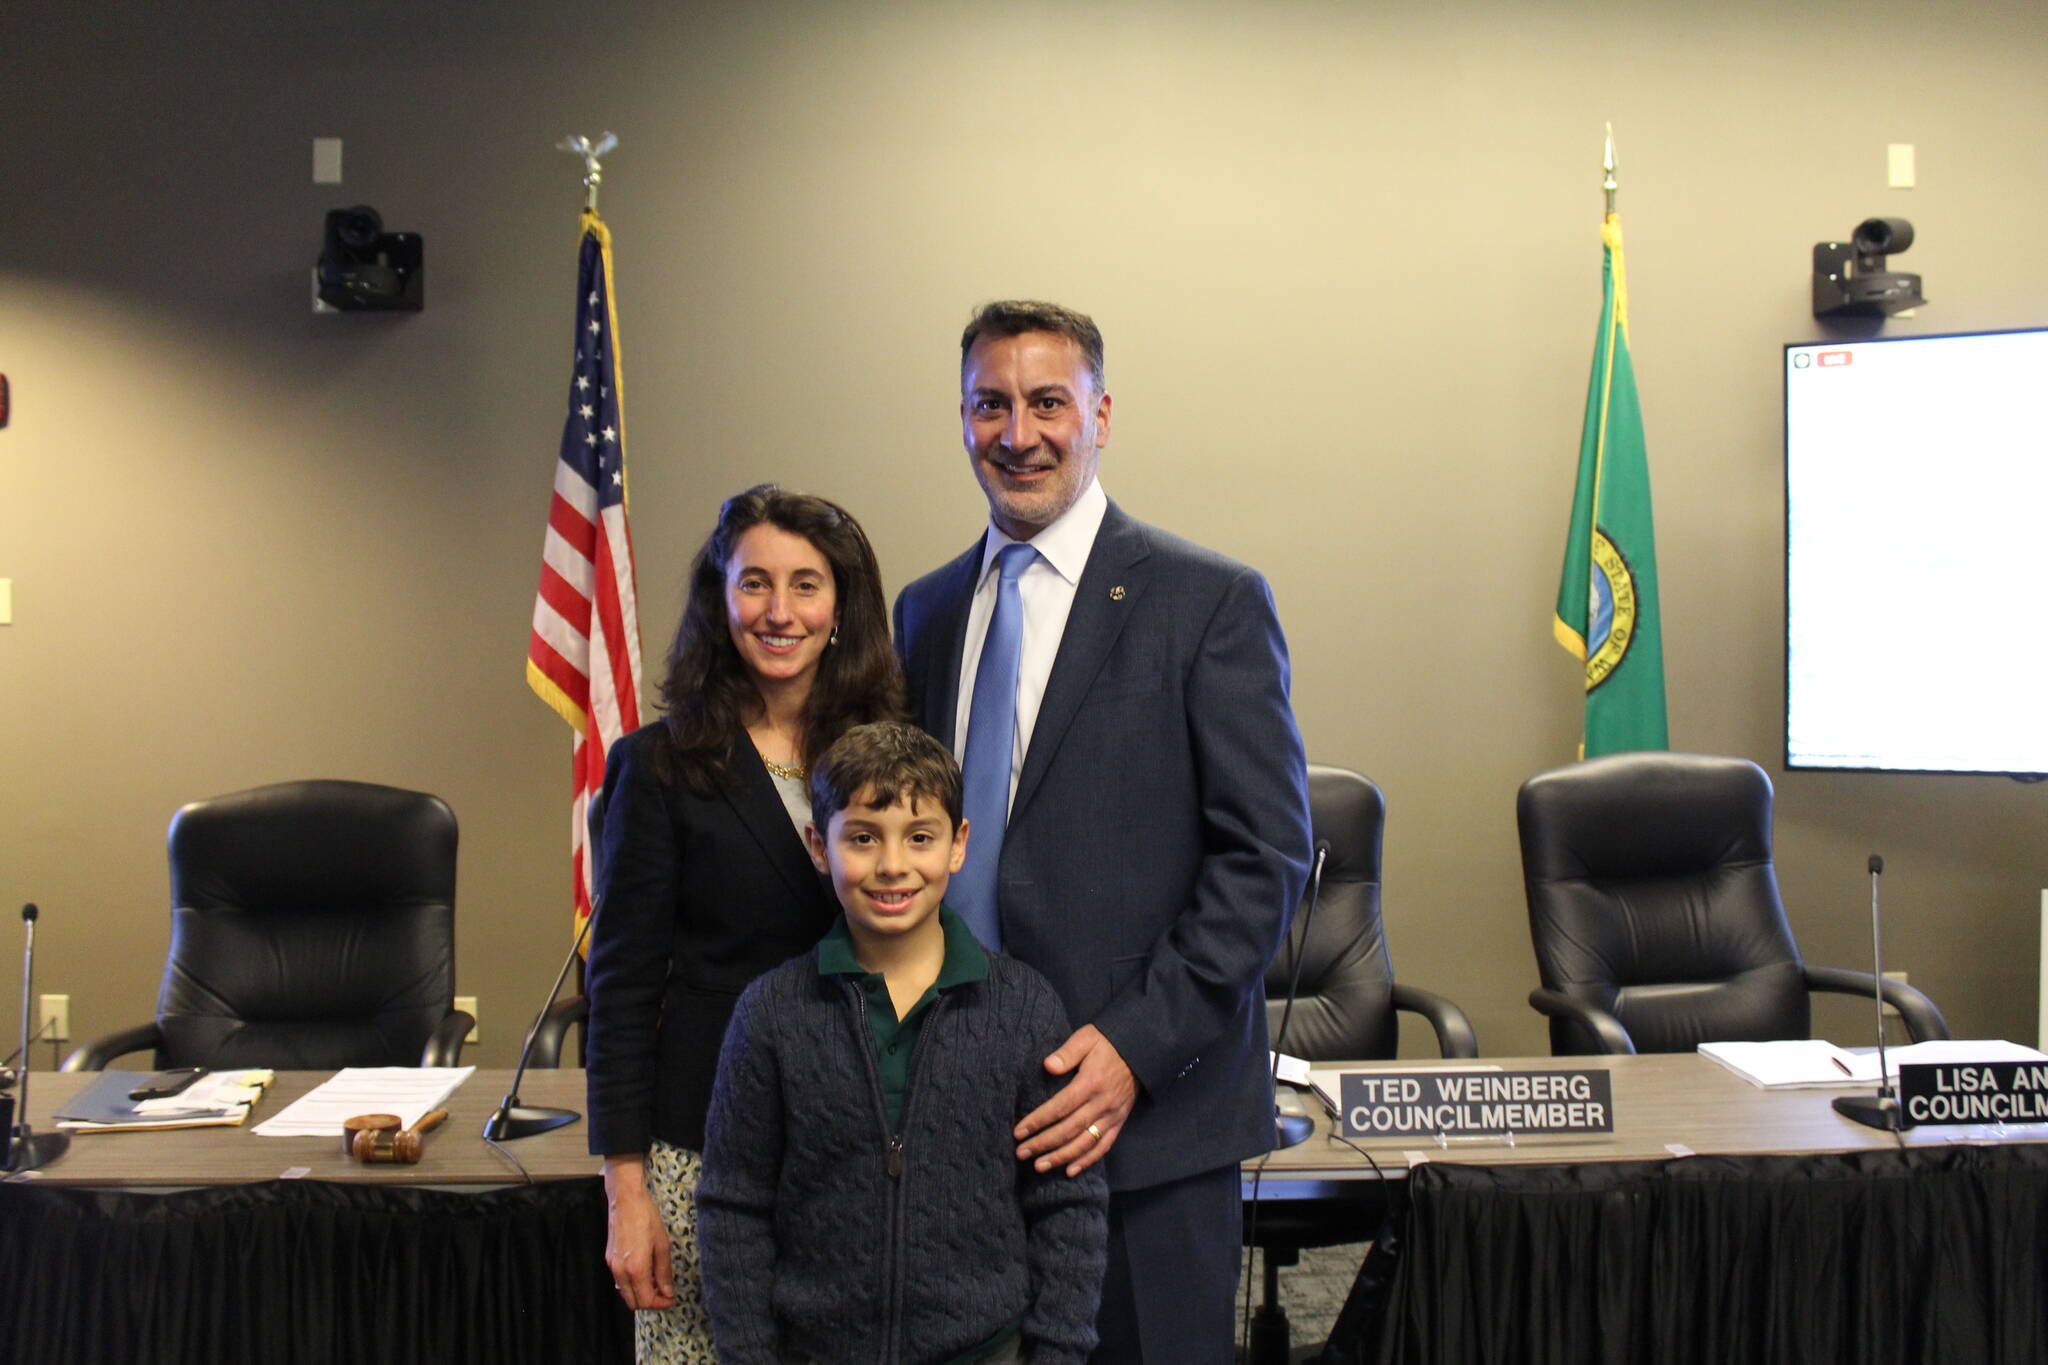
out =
column 1794, row 1063
column 407, row 1091
column 1949, row 1051
column 1292, row 1070
column 1814, row 1063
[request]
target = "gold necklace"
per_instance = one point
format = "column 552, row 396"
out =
column 788, row 772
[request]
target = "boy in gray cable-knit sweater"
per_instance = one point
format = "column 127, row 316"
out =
column 860, row 1199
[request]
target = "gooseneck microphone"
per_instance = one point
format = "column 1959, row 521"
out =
column 26, row 1148
column 1882, row 1109
column 511, row 1119
column 1288, row 1129
column 1265, row 1333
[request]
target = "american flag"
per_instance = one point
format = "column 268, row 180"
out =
column 584, row 658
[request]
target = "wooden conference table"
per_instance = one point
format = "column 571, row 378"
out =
column 1662, row 1102
column 457, row 1158
column 1717, row 1222
column 217, row 1245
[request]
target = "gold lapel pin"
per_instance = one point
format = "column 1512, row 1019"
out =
column 1116, row 594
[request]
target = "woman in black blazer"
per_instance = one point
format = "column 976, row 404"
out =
column 704, row 882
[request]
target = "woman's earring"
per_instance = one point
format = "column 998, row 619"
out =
column 835, row 636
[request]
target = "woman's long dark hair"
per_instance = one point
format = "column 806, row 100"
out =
column 708, row 694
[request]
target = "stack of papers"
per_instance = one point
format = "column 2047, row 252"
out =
column 407, row 1091
column 1811, row 1063
column 216, row 1100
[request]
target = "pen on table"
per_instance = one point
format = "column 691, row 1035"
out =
column 1842, row 1067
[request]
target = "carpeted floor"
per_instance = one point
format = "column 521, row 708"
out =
column 1311, row 1292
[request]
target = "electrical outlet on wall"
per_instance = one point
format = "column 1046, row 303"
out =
column 53, row 1020
column 327, row 161
column 467, row 1004
column 1891, row 1010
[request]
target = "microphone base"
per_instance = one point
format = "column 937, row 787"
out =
column 1291, row 1129
column 1872, row 1111
column 28, row 1151
column 515, row 1120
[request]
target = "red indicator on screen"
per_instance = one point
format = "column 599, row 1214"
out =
column 1826, row 358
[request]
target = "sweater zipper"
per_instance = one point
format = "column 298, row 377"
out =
column 893, row 1161
column 864, row 1041
column 896, row 1176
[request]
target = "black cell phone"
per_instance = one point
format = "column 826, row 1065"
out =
column 165, row 1084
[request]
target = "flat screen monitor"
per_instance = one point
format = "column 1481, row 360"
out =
column 1916, row 554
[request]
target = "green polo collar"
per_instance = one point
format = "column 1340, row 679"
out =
column 966, row 960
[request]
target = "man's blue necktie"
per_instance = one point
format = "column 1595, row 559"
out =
column 991, row 741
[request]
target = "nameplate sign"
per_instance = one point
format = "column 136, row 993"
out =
column 1408, row 1104
column 1974, row 1092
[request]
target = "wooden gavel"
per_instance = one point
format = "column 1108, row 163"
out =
column 372, row 1145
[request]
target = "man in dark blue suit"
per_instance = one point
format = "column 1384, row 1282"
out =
column 1155, row 835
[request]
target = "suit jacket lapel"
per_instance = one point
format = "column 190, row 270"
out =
column 942, row 641
column 1111, row 585
column 751, row 794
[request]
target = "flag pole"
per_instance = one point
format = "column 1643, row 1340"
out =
column 583, row 656
column 1607, row 613
column 593, row 169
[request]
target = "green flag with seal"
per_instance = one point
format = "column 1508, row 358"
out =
column 1607, row 598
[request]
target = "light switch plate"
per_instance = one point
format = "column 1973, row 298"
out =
column 1898, row 163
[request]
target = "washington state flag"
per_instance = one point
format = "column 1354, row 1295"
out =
column 1607, row 597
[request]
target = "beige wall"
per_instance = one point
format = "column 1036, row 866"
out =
column 1347, row 260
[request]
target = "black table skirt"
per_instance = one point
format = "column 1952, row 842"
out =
column 1931, row 1255
column 298, row 1270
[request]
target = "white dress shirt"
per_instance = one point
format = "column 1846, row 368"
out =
column 1046, row 592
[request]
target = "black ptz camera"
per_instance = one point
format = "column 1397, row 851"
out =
column 1876, row 238
column 1850, row 279
column 364, row 268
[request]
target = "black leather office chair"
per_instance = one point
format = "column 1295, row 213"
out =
column 1345, row 1009
column 1654, row 909
column 312, row 927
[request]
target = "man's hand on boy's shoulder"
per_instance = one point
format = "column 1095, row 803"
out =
column 1078, row 1125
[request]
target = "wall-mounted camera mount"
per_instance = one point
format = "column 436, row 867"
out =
column 1850, row 279
column 363, row 268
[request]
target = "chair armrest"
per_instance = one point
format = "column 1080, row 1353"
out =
column 554, row 1031
column 1454, row 1035
column 95, row 1055
column 444, row 1045
column 1605, row 1028
column 1923, row 1018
